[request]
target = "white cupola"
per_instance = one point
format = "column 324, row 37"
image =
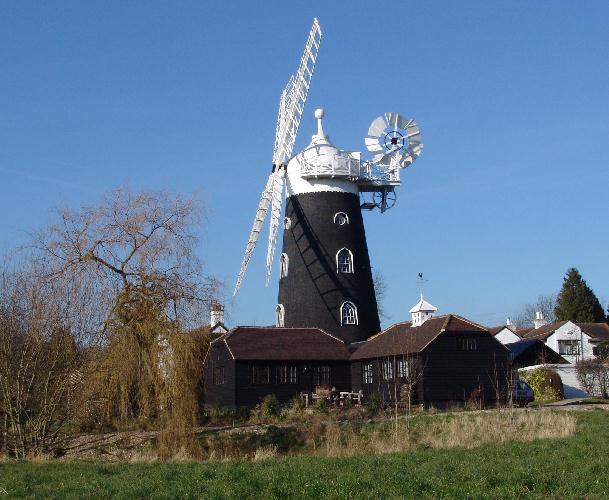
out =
column 422, row 311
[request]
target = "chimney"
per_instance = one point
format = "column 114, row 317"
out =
column 217, row 313
column 539, row 320
column 509, row 324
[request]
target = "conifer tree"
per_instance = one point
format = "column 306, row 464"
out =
column 576, row 301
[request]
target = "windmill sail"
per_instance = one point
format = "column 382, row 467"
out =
column 263, row 206
column 291, row 106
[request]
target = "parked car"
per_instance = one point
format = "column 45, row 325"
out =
column 522, row 394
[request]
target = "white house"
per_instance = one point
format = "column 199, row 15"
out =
column 575, row 342
column 506, row 334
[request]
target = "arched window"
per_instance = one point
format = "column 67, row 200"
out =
column 348, row 314
column 341, row 218
column 279, row 314
column 344, row 261
column 284, row 262
column 287, row 223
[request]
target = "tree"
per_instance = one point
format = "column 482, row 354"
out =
column 42, row 327
column 380, row 290
column 139, row 248
column 544, row 303
column 576, row 301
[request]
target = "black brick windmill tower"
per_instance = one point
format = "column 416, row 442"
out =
column 325, row 274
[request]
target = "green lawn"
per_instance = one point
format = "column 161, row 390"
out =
column 573, row 467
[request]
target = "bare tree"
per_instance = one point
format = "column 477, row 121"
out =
column 380, row 289
column 43, row 325
column 544, row 303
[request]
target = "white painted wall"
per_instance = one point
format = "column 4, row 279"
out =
column 507, row 336
column 570, row 331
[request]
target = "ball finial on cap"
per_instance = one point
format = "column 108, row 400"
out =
column 319, row 113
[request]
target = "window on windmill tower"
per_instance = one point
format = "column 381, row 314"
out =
column 279, row 315
column 287, row 223
column 348, row 314
column 341, row 218
column 344, row 261
column 284, row 262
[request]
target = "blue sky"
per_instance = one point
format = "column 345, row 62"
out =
column 512, row 99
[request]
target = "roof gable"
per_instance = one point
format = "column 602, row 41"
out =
column 403, row 338
column 284, row 344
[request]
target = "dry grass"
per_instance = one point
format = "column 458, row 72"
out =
column 449, row 431
column 265, row 453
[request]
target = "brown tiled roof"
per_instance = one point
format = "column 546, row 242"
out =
column 403, row 338
column 598, row 331
column 543, row 332
column 284, row 344
column 519, row 332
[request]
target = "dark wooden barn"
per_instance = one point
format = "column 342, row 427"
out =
column 447, row 359
column 247, row 363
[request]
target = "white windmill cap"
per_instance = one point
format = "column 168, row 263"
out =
column 319, row 154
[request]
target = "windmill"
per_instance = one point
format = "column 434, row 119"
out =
column 325, row 273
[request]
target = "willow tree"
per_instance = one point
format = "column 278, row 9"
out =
column 140, row 248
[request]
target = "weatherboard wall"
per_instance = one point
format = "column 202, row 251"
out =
column 313, row 291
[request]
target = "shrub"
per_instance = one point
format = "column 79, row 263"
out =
column 593, row 375
column 269, row 406
column 374, row 404
column 546, row 384
column 320, row 406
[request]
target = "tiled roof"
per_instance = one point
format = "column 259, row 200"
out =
column 598, row 331
column 543, row 332
column 403, row 338
column 284, row 344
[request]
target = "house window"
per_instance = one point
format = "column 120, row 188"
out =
column 287, row 374
column 367, row 373
column 402, row 369
column 344, row 261
column 569, row 347
column 284, row 262
column 467, row 344
column 348, row 314
column 321, row 375
column 279, row 315
column 261, row 374
column 387, row 369
column 218, row 375
column 341, row 218
column 287, row 223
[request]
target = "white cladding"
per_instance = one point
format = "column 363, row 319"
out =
column 320, row 153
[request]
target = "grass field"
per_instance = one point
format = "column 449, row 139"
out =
column 571, row 467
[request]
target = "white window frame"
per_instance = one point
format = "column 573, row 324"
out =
column 284, row 265
column 279, row 315
column 403, row 369
column 287, row 223
column 345, row 221
column 342, row 313
column 351, row 263
column 387, row 369
column 367, row 373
